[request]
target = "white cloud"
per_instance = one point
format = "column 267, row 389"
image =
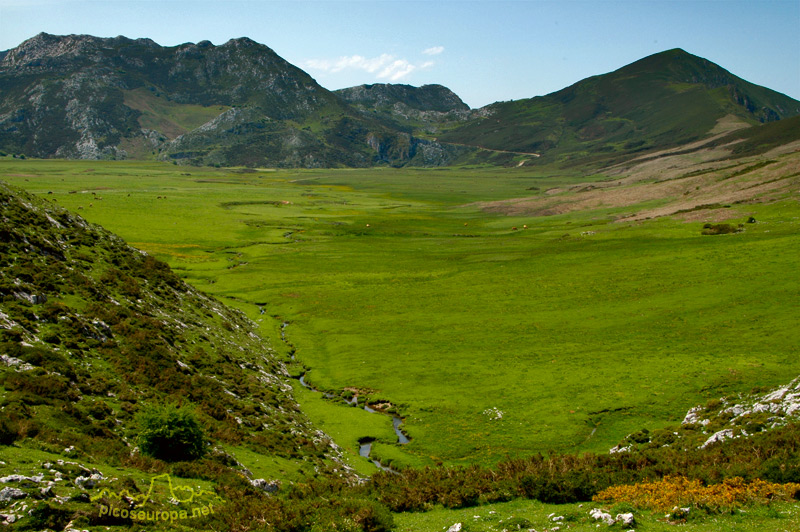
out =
column 434, row 50
column 397, row 70
column 384, row 66
column 318, row 64
column 356, row 62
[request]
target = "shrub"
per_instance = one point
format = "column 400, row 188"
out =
column 351, row 515
column 40, row 388
column 671, row 492
column 517, row 523
column 8, row 432
column 781, row 471
column 45, row 516
column 720, row 229
column 171, row 433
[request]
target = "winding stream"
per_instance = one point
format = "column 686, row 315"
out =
column 402, row 439
column 365, row 444
column 366, row 448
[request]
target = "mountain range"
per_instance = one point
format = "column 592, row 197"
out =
column 240, row 103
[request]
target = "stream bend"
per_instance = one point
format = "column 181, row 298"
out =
column 365, row 444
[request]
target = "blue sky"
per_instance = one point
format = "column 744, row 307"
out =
column 484, row 50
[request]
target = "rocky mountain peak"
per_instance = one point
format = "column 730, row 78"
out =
column 425, row 98
column 78, row 96
column 44, row 46
column 243, row 42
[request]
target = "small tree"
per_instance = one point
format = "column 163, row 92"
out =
column 170, row 433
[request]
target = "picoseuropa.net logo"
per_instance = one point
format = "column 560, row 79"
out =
column 188, row 501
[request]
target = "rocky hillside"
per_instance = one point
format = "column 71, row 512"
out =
column 436, row 98
column 727, row 418
column 239, row 103
column 94, row 333
column 423, row 109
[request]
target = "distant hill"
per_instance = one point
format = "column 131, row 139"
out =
column 419, row 110
column 436, row 98
column 79, row 96
column 664, row 100
column 239, row 103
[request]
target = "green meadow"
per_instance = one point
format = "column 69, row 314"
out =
column 525, row 515
column 489, row 339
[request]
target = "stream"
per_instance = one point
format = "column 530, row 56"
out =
column 365, row 444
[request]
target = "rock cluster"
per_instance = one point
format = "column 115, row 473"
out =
column 724, row 419
column 780, row 405
column 625, row 519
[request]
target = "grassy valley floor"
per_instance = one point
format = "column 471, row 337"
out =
column 526, row 515
column 492, row 336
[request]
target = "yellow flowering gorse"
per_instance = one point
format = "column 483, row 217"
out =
column 677, row 491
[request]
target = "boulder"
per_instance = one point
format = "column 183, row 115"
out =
column 625, row 519
column 88, row 482
column 270, row 486
column 7, row 494
column 600, row 515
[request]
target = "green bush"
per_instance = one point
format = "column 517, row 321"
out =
column 44, row 516
column 720, row 229
column 170, row 433
column 8, row 432
column 350, row 515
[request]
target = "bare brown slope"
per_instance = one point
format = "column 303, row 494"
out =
column 691, row 185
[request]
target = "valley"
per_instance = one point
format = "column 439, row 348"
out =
column 494, row 334
column 231, row 299
column 579, row 329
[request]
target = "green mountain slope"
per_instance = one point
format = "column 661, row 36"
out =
column 94, row 333
column 239, row 103
column 664, row 100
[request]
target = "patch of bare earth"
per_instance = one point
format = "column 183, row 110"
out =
column 693, row 186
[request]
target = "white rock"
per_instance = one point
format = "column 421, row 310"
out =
column 691, row 415
column 736, row 410
column 17, row 364
column 625, row 519
column 266, row 485
column 600, row 515
column 88, row 482
column 6, row 494
column 777, row 395
column 455, row 528
column 8, row 519
column 717, row 437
